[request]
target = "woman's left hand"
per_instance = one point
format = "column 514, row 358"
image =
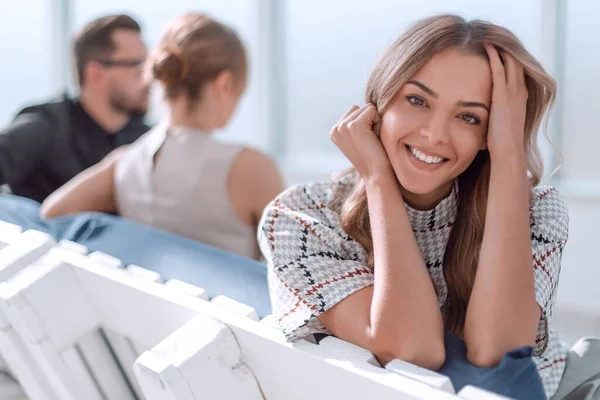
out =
column 506, row 128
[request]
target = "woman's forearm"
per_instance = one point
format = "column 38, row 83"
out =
column 90, row 190
column 502, row 313
column 405, row 314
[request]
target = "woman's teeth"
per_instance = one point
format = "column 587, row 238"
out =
column 425, row 158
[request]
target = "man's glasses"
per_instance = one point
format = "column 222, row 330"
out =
column 137, row 63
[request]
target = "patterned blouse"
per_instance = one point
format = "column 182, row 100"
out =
column 314, row 264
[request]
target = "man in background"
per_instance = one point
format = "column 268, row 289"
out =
column 48, row 144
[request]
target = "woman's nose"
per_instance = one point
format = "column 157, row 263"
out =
column 435, row 132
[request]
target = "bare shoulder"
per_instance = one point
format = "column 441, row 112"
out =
column 251, row 160
column 253, row 182
column 253, row 167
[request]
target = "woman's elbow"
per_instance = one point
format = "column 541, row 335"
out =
column 486, row 351
column 484, row 358
column 489, row 352
column 428, row 354
column 49, row 210
column 428, row 358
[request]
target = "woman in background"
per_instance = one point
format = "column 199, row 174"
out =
column 177, row 177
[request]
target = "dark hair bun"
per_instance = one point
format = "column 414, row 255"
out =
column 170, row 68
column 193, row 50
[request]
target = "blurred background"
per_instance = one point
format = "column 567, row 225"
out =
column 309, row 62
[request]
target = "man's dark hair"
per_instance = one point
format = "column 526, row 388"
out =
column 95, row 40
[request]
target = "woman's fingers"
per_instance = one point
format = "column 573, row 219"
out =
column 368, row 117
column 341, row 123
column 498, row 72
column 356, row 137
column 345, row 116
column 349, row 112
column 515, row 73
column 352, row 116
column 358, row 119
column 509, row 103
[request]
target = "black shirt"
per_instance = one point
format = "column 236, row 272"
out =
column 48, row 144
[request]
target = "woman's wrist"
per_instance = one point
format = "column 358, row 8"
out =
column 384, row 177
column 508, row 151
column 510, row 156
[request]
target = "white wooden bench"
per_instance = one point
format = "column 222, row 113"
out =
column 90, row 360
column 196, row 348
column 9, row 388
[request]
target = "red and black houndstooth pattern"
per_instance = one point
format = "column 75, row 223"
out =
column 314, row 264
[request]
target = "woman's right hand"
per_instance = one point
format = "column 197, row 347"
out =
column 357, row 136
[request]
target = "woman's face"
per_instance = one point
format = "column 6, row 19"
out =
column 437, row 123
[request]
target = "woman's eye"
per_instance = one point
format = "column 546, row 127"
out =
column 417, row 101
column 469, row 118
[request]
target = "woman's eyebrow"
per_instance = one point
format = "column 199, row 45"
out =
column 424, row 88
column 433, row 94
column 473, row 104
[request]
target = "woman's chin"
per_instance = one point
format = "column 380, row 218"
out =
column 415, row 184
column 420, row 189
column 423, row 183
column 416, row 191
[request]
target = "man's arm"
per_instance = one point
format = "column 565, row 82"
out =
column 23, row 145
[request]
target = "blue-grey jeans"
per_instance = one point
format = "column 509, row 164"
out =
column 516, row 376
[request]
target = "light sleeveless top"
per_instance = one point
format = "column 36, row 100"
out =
column 183, row 188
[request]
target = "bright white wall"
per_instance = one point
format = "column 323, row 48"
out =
column 580, row 173
column 580, row 87
column 26, row 69
column 332, row 46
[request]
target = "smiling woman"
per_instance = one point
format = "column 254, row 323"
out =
column 436, row 124
column 438, row 247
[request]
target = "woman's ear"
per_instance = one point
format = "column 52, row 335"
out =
column 224, row 84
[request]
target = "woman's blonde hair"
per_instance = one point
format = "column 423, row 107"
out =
column 400, row 62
